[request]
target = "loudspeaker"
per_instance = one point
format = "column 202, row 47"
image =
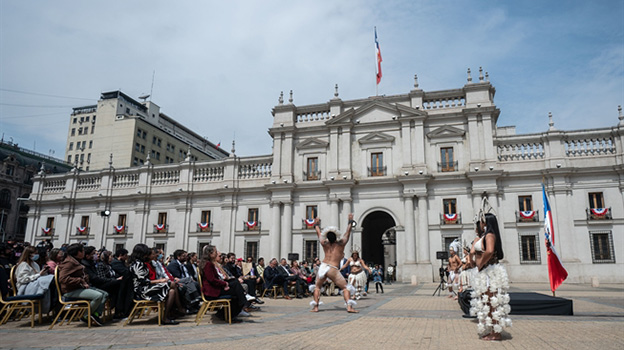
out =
column 293, row 256
column 443, row 255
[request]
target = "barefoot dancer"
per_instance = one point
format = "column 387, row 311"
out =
column 334, row 252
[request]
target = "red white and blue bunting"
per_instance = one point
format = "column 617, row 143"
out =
column 599, row 211
column 309, row 222
column 119, row 229
column 81, row 229
column 251, row 224
column 203, row 225
column 46, row 231
column 529, row 214
column 450, row 217
column 160, row 227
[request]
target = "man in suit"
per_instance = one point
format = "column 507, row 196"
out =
column 237, row 272
column 189, row 288
column 290, row 276
column 272, row 277
column 119, row 263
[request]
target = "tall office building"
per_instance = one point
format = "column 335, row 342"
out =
column 131, row 131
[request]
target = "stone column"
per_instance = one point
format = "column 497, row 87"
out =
column 287, row 230
column 473, row 134
column 423, row 231
column 407, row 144
column 410, row 246
column 275, row 230
column 333, row 213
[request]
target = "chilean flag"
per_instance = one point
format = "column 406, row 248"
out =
column 556, row 272
column 378, row 54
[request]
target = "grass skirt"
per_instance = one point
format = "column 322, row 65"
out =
column 492, row 312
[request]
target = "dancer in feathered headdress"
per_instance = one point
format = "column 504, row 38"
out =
column 334, row 251
column 357, row 276
column 490, row 300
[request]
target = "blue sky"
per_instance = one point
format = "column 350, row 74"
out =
column 219, row 68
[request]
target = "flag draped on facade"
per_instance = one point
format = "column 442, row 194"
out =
column 556, row 272
column 378, row 54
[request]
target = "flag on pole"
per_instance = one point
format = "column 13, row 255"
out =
column 556, row 272
column 219, row 144
column 378, row 54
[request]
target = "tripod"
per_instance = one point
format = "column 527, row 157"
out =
column 442, row 281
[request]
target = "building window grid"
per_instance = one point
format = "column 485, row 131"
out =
column 377, row 164
column 312, row 169
column 251, row 249
column 601, row 243
column 525, row 203
column 447, row 159
column 450, row 206
column 529, row 249
column 311, row 212
column 596, row 200
column 310, row 250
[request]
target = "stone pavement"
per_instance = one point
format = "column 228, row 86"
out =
column 405, row 317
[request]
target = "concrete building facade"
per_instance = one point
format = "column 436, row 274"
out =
column 130, row 132
column 412, row 167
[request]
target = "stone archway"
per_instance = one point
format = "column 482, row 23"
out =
column 373, row 227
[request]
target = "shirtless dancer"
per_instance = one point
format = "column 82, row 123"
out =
column 334, row 252
column 453, row 270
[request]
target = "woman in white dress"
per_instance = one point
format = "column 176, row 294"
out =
column 357, row 276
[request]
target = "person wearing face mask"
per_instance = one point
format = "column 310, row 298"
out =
column 31, row 279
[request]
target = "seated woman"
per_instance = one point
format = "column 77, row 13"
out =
column 146, row 286
column 303, row 279
column 54, row 258
column 215, row 286
column 74, row 282
column 31, row 279
column 357, row 277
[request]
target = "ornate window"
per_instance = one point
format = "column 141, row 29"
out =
column 529, row 249
column 602, row 246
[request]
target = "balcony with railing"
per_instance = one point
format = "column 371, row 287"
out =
column 447, row 166
column 161, row 228
column 308, row 224
column 204, row 227
column 451, row 219
column 120, row 229
column 377, row 171
column 83, row 230
column 252, row 226
column 598, row 214
column 312, row 176
column 527, row 216
column 47, row 231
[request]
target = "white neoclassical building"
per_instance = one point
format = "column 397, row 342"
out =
column 411, row 167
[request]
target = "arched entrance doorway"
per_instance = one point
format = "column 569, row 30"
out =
column 373, row 251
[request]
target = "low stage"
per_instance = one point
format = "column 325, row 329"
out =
column 539, row 304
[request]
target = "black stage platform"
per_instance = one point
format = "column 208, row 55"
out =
column 539, row 304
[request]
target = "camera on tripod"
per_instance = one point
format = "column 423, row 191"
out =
column 441, row 255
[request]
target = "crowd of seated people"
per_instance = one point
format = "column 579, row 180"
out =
column 148, row 274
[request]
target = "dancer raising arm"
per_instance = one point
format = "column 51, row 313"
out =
column 333, row 247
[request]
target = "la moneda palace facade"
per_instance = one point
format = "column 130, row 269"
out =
column 413, row 168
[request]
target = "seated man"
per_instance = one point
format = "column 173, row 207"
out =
column 74, row 282
column 290, row 276
column 236, row 271
column 189, row 288
column 272, row 277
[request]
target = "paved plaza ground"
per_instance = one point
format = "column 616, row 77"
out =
column 404, row 317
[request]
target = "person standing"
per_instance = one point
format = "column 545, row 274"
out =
column 490, row 300
column 333, row 247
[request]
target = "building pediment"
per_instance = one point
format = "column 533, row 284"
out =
column 446, row 131
column 312, row 143
column 376, row 137
column 376, row 111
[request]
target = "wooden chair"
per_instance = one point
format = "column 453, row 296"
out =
column 18, row 305
column 145, row 306
column 75, row 309
column 211, row 305
column 274, row 290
